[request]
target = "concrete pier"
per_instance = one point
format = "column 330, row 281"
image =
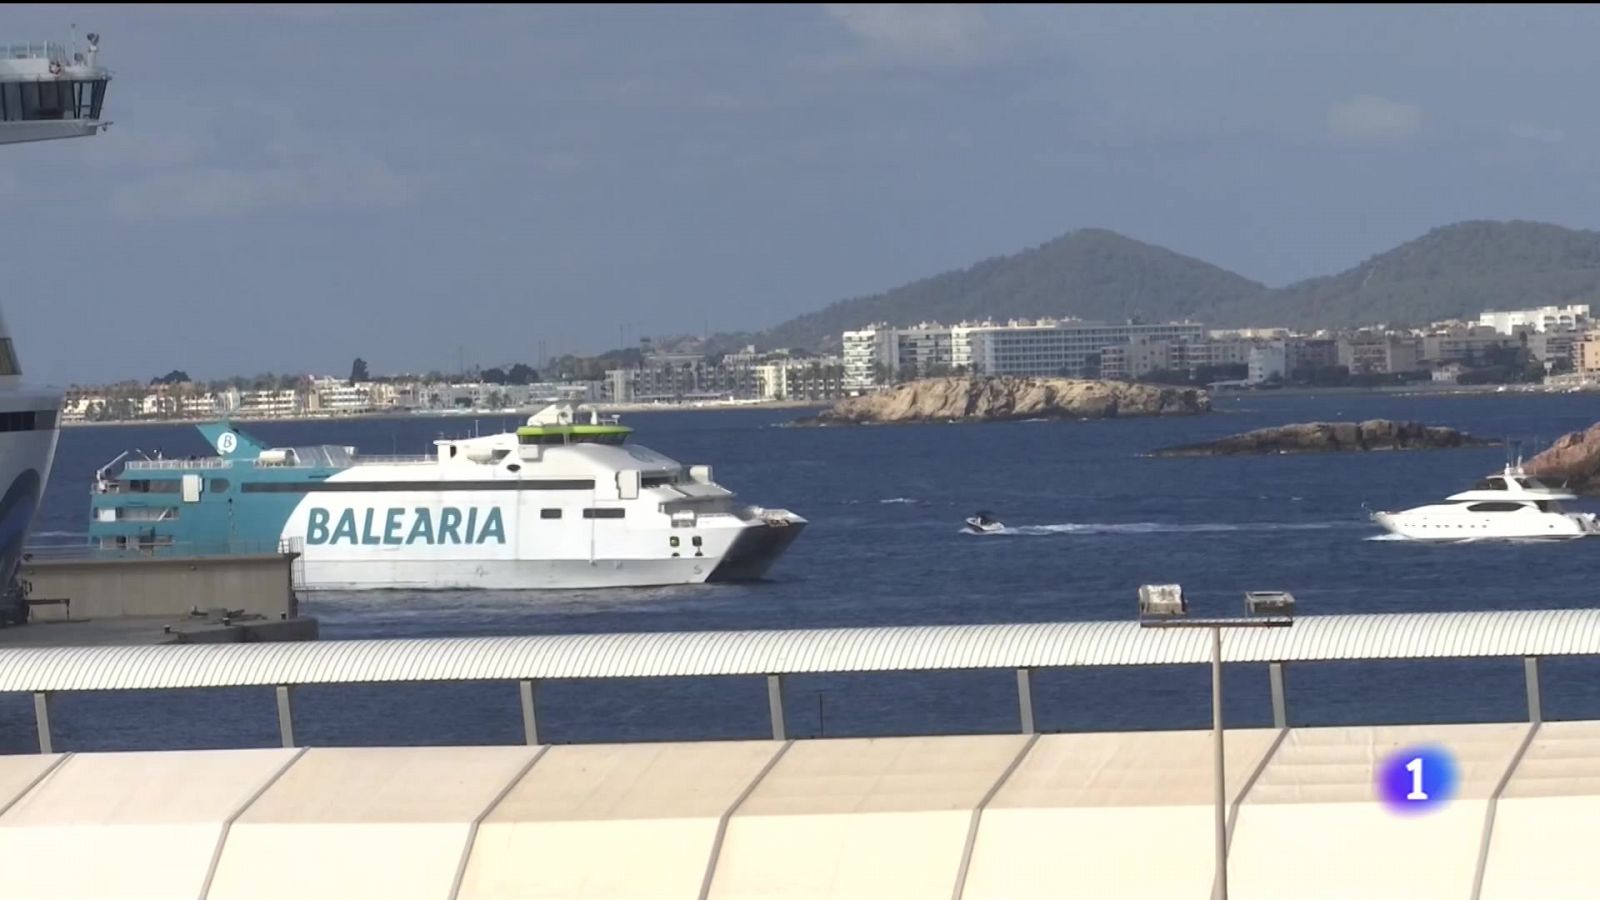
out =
column 80, row 596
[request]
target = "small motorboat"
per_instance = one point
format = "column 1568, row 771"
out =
column 1510, row 505
column 984, row 523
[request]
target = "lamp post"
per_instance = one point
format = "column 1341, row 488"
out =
column 1164, row 606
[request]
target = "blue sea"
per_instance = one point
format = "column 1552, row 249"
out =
column 1090, row 518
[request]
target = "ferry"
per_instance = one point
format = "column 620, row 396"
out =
column 565, row 501
column 45, row 93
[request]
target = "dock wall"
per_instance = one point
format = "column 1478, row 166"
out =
column 113, row 587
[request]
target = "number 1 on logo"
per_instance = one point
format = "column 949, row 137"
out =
column 1415, row 768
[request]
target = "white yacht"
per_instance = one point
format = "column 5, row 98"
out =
column 45, row 92
column 565, row 501
column 1511, row 505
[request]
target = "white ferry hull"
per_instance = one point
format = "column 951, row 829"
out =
column 494, row 574
column 506, row 544
column 25, row 461
column 540, row 574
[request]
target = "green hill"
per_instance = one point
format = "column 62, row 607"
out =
column 1451, row 272
column 1091, row 274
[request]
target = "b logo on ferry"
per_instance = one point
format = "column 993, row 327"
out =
column 399, row 525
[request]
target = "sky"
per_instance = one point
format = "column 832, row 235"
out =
column 285, row 188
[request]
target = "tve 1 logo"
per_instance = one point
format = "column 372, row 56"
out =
column 1417, row 779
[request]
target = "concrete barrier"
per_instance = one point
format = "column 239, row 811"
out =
column 107, row 587
column 1084, row 813
column 393, row 823
column 120, row 825
column 867, row 817
column 1312, row 827
column 1538, row 848
column 1093, row 816
column 557, row 832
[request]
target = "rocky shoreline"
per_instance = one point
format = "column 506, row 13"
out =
column 1574, row 458
column 1331, row 437
column 1001, row 399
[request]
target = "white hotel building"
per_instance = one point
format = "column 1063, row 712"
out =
column 1540, row 319
column 1046, row 347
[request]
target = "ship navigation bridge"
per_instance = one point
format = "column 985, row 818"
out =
column 48, row 91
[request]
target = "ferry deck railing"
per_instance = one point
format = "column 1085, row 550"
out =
column 34, row 50
column 773, row 655
column 218, row 463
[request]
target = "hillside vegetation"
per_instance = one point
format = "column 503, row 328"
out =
column 1450, row 272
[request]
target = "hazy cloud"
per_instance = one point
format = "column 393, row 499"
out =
column 303, row 11
column 1538, row 134
column 1370, row 119
column 332, row 179
column 147, row 149
column 917, row 34
column 629, row 164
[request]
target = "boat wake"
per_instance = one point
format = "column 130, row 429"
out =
column 1475, row 540
column 901, row 500
column 1168, row 527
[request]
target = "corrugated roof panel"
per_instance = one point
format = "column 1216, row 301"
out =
column 1037, row 645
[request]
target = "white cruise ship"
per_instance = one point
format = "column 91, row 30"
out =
column 45, row 92
column 562, row 502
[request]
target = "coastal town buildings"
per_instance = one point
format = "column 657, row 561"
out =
column 1557, row 339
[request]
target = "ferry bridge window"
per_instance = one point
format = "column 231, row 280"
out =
column 549, row 513
column 39, row 100
column 34, row 100
column 55, row 99
column 28, row 420
column 593, row 513
column 8, row 358
column 89, row 96
column 219, row 485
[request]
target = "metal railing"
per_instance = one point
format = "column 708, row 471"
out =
column 212, row 462
column 88, row 552
column 205, row 462
column 44, row 50
column 1024, row 649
